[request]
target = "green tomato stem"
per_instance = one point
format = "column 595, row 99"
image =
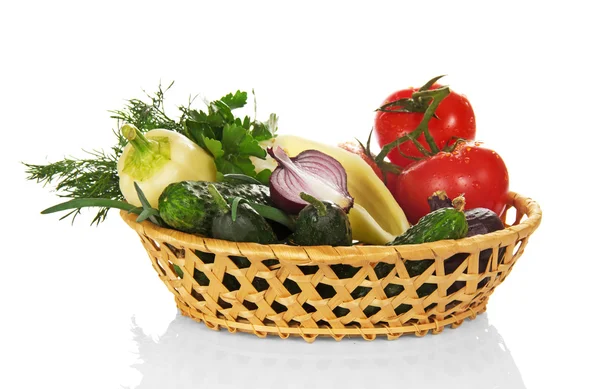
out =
column 437, row 95
column 430, row 83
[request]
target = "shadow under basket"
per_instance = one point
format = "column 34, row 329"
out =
column 337, row 291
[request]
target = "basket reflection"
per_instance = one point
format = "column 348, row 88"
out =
column 191, row 356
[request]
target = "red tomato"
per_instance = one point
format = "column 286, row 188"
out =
column 455, row 119
column 478, row 172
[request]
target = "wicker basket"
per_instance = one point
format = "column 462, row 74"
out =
column 336, row 291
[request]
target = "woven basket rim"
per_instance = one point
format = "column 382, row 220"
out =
column 350, row 254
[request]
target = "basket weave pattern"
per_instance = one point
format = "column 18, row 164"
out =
column 336, row 291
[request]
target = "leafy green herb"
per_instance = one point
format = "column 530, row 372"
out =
column 234, row 206
column 96, row 175
column 265, row 131
column 240, row 178
column 147, row 116
column 93, row 177
column 147, row 211
column 230, row 139
column 236, row 100
column 93, row 202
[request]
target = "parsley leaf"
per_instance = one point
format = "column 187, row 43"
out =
column 231, row 140
column 263, row 176
column 214, row 146
column 266, row 130
column 238, row 140
column 231, row 163
column 237, row 100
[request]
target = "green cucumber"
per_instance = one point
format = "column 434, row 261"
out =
column 443, row 223
column 239, row 222
column 322, row 223
column 188, row 206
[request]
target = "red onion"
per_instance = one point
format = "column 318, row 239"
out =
column 312, row 172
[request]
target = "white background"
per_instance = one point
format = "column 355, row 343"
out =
column 81, row 306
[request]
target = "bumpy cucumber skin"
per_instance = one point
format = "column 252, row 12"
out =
column 248, row 226
column 444, row 223
column 332, row 229
column 187, row 206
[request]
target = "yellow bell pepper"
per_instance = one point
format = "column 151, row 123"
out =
column 376, row 217
column 157, row 159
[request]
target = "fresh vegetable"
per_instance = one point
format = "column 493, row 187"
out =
column 232, row 141
column 356, row 148
column 96, row 176
column 234, row 151
column 188, row 206
column 365, row 228
column 147, row 115
column 403, row 110
column 444, row 223
column 146, row 211
column 436, row 96
column 480, row 220
column 92, row 202
column 82, row 178
column 477, row 172
column 312, row 172
column 439, row 199
column 322, row 223
column 338, row 193
column 239, row 222
column 375, row 217
column 240, row 179
column 465, row 167
column 158, row 158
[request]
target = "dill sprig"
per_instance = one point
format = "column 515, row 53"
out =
column 92, row 177
column 96, row 175
column 146, row 116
